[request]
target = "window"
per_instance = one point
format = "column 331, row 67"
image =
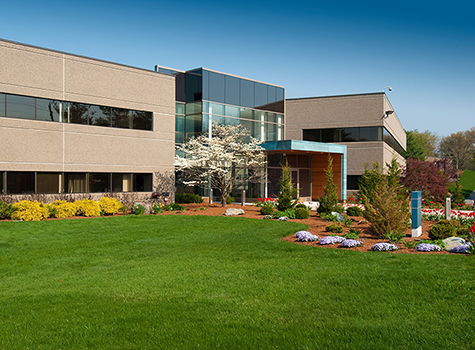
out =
column 47, row 110
column 143, row 182
column 352, row 182
column 121, row 118
column 20, row 182
column 75, row 113
column 75, row 182
column 99, row 116
column 99, row 182
column 22, row 107
column 2, row 105
column 121, row 182
column 48, row 183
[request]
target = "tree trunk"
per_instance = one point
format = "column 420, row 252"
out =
column 224, row 201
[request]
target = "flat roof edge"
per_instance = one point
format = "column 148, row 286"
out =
column 307, row 146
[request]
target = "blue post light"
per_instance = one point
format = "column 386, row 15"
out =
column 416, row 213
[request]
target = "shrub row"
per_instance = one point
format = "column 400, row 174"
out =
column 36, row 211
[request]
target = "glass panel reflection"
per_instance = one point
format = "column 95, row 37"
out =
column 216, row 87
column 2, row 108
column 75, row 182
column 99, row 115
column 20, row 107
column 19, row 182
column 142, row 120
column 75, row 113
column 47, row 110
column 99, row 182
column 232, row 90
column 48, row 182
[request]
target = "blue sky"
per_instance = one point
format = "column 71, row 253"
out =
column 425, row 50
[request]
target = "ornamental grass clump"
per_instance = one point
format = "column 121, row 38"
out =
column 30, row 211
column 331, row 240
column 351, row 243
column 305, row 236
column 381, row 247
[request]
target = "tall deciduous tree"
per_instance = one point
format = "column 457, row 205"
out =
column 228, row 159
column 459, row 147
column 420, row 145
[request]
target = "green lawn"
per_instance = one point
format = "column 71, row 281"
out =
column 196, row 282
column 468, row 182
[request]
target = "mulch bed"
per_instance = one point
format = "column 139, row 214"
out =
column 316, row 226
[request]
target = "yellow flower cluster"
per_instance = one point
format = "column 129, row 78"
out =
column 30, row 211
column 109, row 206
column 88, row 207
column 62, row 209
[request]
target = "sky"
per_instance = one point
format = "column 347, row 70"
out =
column 424, row 50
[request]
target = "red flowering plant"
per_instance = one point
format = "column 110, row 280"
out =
column 266, row 201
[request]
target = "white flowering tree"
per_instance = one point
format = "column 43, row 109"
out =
column 228, row 159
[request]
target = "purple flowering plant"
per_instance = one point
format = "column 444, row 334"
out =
column 331, row 240
column 461, row 249
column 426, row 247
column 283, row 218
column 305, row 236
column 383, row 247
column 351, row 243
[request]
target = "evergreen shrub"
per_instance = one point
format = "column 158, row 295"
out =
column 302, row 213
column 335, row 228
column 30, row 211
column 188, row 198
column 109, row 206
column 354, row 211
column 6, row 210
column 443, row 229
column 267, row 209
column 87, row 207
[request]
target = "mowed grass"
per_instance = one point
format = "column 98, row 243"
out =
column 468, row 182
column 197, row 282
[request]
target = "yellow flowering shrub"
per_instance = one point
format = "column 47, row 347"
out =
column 62, row 209
column 109, row 206
column 30, row 211
column 88, row 207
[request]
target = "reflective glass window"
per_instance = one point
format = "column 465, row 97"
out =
column 142, row 120
column 121, row 182
column 275, row 160
column 193, row 108
column 216, row 87
column 232, row 121
column 280, row 119
column 99, row 115
column 352, row 182
column 292, row 159
column 246, row 113
column 247, row 93
column 273, row 176
column 205, row 83
column 374, row 133
column 2, row 189
column 143, row 182
column 48, row 182
column 349, row 134
column 19, row 182
column 216, row 109
column 121, row 118
column 99, row 182
column 179, row 108
column 179, row 129
column 271, row 132
column 312, row 135
column 20, row 107
column 47, row 110
column 304, row 183
column 231, row 111
column 75, row 182
column 272, row 117
column 251, row 127
column 2, row 105
column 205, row 123
column 279, row 105
column 280, row 132
column 193, row 86
column 218, row 120
column 192, row 126
column 271, row 94
column 75, row 113
column 260, row 98
column 232, row 90
column 330, row 135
